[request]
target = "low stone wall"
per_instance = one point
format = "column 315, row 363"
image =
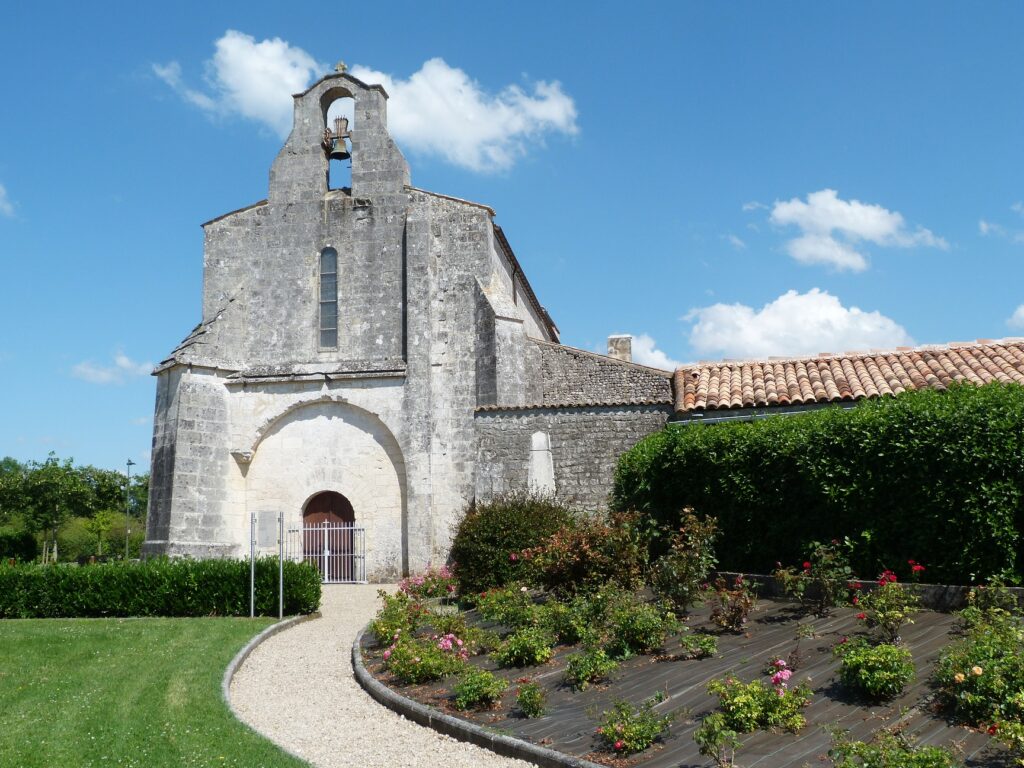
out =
column 585, row 445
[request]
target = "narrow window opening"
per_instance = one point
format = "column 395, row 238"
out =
column 328, row 298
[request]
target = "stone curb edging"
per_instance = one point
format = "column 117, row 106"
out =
column 456, row 728
column 242, row 655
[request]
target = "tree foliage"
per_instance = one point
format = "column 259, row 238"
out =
column 37, row 497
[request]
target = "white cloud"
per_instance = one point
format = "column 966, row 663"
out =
column 735, row 242
column 441, row 111
column 753, row 205
column 248, row 78
column 123, row 368
column 986, row 228
column 991, row 229
column 1016, row 320
column 831, row 227
column 1018, row 207
column 646, row 352
column 6, row 206
column 793, row 324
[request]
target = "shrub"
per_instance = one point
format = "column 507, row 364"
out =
column 887, row 608
column 678, row 575
column 399, row 614
column 478, row 688
column 415, row 660
column 1012, row 735
column 756, row 705
column 981, row 676
column 531, row 699
column 987, row 603
column 627, row 729
column 158, row 587
column 588, row 666
column 890, row 468
column 525, row 647
column 17, row 543
column 589, row 552
column 717, row 741
column 564, row 621
column 876, row 671
column 824, row 577
column 698, row 646
column 512, row 606
column 636, row 628
column 889, row 748
column 489, row 534
column 477, row 640
column 731, row 607
column 433, row 582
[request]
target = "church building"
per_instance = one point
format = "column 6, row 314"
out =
column 374, row 356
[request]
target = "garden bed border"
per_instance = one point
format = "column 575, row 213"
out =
column 242, row 655
column 453, row 726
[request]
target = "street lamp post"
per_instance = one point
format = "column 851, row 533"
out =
column 127, row 507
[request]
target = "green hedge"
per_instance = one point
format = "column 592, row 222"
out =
column 933, row 476
column 155, row 588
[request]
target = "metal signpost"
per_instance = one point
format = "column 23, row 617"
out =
column 280, row 565
column 252, row 566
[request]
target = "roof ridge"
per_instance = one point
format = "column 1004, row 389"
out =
column 605, row 358
column 853, row 354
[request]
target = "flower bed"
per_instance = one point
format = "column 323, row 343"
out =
column 776, row 631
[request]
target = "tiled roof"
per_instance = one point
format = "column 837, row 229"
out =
column 851, row 376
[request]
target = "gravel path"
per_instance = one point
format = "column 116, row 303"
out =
column 297, row 689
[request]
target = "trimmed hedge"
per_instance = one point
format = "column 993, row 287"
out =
column 490, row 533
column 155, row 588
column 934, row 476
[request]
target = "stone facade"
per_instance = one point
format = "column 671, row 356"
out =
column 444, row 368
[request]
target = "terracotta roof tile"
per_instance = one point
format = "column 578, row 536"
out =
column 830, row 378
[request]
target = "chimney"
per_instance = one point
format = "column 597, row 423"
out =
column 620, row 347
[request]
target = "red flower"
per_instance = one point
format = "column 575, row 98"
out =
column 856, row 600
column 807, row 565
column 862, row 616
column 513, row 557
column 992, row 729
column 620, row 744
column 917, row 568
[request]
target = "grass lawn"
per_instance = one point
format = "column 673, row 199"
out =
column 124, row 692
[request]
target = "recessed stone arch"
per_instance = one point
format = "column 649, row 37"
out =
column 327, row 444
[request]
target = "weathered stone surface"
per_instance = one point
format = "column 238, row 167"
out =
column 435, row 319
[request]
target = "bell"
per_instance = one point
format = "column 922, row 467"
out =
column 338, row 150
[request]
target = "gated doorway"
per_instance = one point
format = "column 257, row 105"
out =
column 330, row 539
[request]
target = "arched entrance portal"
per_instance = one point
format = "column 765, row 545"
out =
column 330, row 538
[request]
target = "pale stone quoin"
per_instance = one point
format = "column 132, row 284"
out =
column 380, row 342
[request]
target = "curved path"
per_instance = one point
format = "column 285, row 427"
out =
column 297, row 689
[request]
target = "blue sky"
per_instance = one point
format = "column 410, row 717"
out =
column 727, row 180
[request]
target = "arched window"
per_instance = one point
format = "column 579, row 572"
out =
column 328, row 298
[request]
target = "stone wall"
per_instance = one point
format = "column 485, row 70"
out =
column 573, row 376
column 586, row 443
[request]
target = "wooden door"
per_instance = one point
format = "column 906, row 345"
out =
column 327, row 536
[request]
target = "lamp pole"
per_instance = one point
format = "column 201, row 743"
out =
column 127, row 507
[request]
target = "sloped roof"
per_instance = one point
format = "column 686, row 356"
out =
column 851, row 376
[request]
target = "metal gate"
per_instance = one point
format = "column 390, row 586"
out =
column 338, row 550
